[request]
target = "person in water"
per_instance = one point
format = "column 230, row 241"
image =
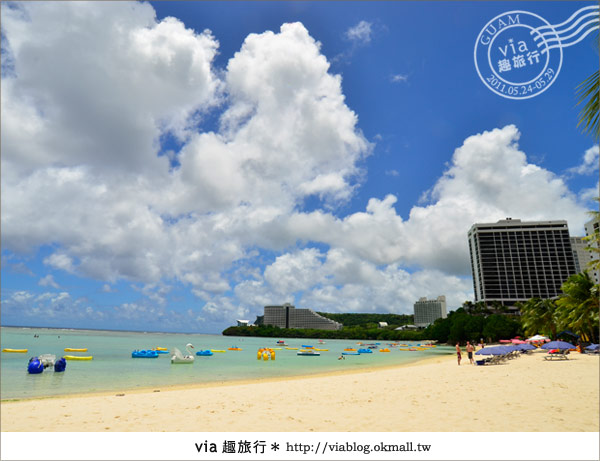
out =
column 458, row 355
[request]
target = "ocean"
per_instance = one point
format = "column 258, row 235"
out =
column 113, row 369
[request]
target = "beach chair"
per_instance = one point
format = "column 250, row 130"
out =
column 557, row 355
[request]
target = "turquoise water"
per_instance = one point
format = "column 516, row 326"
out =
column 113, row 369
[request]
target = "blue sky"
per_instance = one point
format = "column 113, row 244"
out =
column 176, row 166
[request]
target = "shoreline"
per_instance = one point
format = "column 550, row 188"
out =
column 242, row 381
column 432, row 395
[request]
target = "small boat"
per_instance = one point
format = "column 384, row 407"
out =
column 234, row 349
column 19, row 351
column 365, row 351
column 79, row 357
column 157, row 348
column 384, row 350
column 72, row 349
column 178, row 357
column 206, row 353
column 349, row 349
column 350, row 353
column 307, row 352
column 144, row 354
column 281, row 343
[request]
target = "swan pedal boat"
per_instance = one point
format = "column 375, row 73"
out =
column 178, row 357
column 19, row 351
column 78, row 357
column 72, row 349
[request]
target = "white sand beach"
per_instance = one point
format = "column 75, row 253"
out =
column 524, row 394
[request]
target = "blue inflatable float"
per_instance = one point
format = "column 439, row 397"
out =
column 144, row 354
column 60, row 365
column 206, row 353
column 35, row 366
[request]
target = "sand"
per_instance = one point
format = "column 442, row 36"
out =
column 522, row 395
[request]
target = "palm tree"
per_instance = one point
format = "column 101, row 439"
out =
column 579, row 305
column 587, row 92
column 588, row 96
column 539, row 316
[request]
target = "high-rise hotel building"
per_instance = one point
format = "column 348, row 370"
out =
column 428, row 311
column 287, row 316
column 515, row 261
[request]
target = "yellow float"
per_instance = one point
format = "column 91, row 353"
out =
column 20, row 351
column 217, row 350
column 78, row 357
column 265, row 353
column 72, row 349
column 384, row 350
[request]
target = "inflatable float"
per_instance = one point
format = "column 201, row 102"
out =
column 350, row 353
column 79, row 357
column 144, row 354
column 234, row 349
column 19, row 351
column 206, row 353
column 384, row 350
column 72, row 349
column 218, row 350
column 365, row 351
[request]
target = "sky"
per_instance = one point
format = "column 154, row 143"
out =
column 176, row 166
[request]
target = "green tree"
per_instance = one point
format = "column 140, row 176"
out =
column 539, row 316
column 578, row 306
column 498, row 326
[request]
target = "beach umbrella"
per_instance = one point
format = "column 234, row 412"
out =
column 592, row 347
column 504, row 341
column 525, row 347
column 491, row 350
column 561, row 345
column 538, row 338
column 518, row 341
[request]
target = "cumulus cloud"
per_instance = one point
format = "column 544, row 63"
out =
column 82, row 174
column 589, row 162
column 48, row 281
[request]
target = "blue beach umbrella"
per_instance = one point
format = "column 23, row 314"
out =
column 561, row 345
column 491, row 350
column 525, row 347
column 592, row 347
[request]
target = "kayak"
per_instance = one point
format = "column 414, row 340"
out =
column 78, row 357
column 71, row 349
column 21, row 351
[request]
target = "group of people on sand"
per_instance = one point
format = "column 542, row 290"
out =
column 470, row 349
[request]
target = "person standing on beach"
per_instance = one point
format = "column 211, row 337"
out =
column 470, row 350
column 458, row 356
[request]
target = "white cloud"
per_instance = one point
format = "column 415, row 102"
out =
column 81, row 174
column 360, row 33
column 399, row 78
column 589, row 162
column 48, row 281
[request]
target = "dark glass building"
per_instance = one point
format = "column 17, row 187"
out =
column 515, row 261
